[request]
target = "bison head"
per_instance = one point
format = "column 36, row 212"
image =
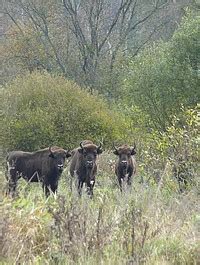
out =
column 89, row 152
column 58, row 156
column 124, row 152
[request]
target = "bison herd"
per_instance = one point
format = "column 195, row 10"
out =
column 46, row 166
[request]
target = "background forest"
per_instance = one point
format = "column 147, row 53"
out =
column 112, row 71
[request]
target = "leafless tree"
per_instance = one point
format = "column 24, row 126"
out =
column 101, row 28
column 79, row 38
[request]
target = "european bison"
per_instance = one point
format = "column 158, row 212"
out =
column 83, row 165
column 125, row 166
column 44, row 166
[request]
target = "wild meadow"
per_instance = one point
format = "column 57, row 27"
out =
column 114, row 72
column 148, row 224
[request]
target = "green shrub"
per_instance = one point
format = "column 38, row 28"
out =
column 173, row 152
column 41, row 110
column 166, row 75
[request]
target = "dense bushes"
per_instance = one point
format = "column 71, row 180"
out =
column 165, row 76
column 40, row 110
column 173, row 153
column 151, row 224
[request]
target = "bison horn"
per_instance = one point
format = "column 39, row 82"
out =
column 134, row 146
column 115, row 146
column 100, row 145
column 50, row 150
column 133, row 152
column 99, row 150
column 81, row 145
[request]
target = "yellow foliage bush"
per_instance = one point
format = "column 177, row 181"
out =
column 41, row 110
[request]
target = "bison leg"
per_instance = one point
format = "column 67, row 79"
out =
column 46, row 190
column 129, row 180
column 90, row 187
column 120, row 183
column 48, row 187
column 79, row 187
column 71, row 183
column 54, row 187
column 12, row 180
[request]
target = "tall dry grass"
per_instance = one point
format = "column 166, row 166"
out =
column 149, row 224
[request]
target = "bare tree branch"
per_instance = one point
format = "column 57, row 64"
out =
column 44, row 28
column 99, row 29
column 13, row 20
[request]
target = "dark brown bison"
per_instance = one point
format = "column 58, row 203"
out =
column 43, row 166
column 83, row 165
column 125, row 166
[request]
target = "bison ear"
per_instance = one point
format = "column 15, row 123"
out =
column 68, row 154
column 80, row 150
column 51, row 155
column 133, row 152
column 116, row 152
column 99, row 151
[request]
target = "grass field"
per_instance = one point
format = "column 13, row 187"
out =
column 149, row 224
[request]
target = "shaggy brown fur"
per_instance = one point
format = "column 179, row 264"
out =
column 44, row 166
column 83, row 165
column 125, row 166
